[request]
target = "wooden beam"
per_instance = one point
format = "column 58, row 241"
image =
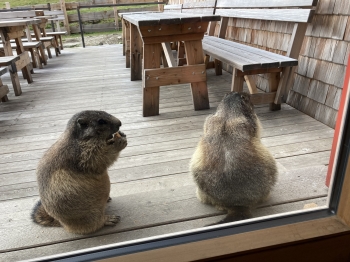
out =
column 194, row 55
column 237, row 81
column 263, row 98
column 151, row 60
column 255, row 240
column 135, row 53
column 344, row 203
column 168, row 54
column 172, row 38
column 259, row 71
column 251, row 84
column 65, row 21
column 115, row 9
column 174, row 75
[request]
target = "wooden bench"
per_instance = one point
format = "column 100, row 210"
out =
column 4, row 90
column 246, row 60
column 31, row 47
column 12, row 63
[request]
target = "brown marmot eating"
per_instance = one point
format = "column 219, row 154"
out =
column 72, row 175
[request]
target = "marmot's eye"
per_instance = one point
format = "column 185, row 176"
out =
column 102, row 121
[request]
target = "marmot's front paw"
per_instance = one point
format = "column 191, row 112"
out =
column 119, row 138
column 121, row 143
column 111, row 220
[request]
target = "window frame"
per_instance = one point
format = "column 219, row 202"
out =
column 243, row 236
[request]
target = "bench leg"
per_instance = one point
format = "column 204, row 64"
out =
column 15, row 83
column 3, row 92
column 4, row 98
column 61, row 44
column 237, row 81
column 274, row 80
column 57, row 47
column 33, row 56
column 37, row 57
column 194, row 56
column 218, row 67
column 152, row 54
column 48, row 52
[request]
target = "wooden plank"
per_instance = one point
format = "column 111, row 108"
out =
column 287, row 15
column 243, row 57
column 264, row 4
column 155, row 208
column 174, row 75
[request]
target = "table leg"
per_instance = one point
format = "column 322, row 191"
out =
column 25, row 70
column 126, row 43
column 151, row 59
column 194, row 55
column 135, row 53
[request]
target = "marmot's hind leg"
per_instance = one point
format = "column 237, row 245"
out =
column 235, row 214
column 89, row 224
column 206, row 199
column 41, row 217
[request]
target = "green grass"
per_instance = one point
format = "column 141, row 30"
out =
column 16, row 3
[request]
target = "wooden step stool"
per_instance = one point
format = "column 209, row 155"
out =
column 10, row 61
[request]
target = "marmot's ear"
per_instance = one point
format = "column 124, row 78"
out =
column 83, row 123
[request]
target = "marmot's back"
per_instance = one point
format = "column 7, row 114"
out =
column 231, row 167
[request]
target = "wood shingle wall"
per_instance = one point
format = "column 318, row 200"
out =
column 323, row 58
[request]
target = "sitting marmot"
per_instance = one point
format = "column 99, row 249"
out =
column 72, row 175
column 233, row 170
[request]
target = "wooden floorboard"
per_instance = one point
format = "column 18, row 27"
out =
column 151, row 188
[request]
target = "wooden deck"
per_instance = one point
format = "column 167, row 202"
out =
column 151, row 188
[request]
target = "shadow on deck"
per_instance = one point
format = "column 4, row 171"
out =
column 151, row 188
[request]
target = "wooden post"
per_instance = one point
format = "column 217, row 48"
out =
column 65, row 21
column 116, row 15
column 7, row 5
column 135, row 53
column 152, row 55
column 160, row 6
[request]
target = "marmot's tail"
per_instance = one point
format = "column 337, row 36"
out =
column 41, row 217
column 235, row 214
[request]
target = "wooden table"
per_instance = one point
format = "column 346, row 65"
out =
column 14, row 29
column 148, row 34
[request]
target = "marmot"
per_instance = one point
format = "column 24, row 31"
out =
column 233, row 170
column 72, row 175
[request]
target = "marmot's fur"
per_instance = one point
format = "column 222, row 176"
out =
column 72, row 175
column 233, row 170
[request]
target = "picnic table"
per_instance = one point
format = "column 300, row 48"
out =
column 147, row 35
column 14, row 29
